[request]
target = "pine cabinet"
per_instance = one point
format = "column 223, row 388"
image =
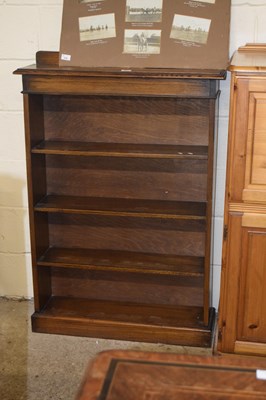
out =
column 120, row 176
column 242, row 320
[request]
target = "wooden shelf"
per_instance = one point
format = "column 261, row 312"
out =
column 120, row 150
column 126, row 321
column 122, row 207
column 123, row 261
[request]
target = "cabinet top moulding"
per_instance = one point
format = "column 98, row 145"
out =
column 250, row 59
column 46, row 77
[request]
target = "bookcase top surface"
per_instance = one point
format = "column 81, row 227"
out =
column 48, row 63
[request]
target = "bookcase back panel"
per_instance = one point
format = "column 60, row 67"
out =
column 127, row 120
column 127, row 287
column 129, row 234
column 180, row 180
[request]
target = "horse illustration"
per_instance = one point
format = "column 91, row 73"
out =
column 142, row 43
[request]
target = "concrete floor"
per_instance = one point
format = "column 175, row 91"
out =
column 38, row 366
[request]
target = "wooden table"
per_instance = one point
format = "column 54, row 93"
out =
column 127, row 375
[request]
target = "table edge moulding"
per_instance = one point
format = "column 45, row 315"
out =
column 120, row 181
column 114, row 374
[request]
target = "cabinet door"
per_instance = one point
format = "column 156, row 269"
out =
column 247, row 160
column 243, row 297
column 252, row 299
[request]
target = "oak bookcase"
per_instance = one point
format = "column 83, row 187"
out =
column 120, row 179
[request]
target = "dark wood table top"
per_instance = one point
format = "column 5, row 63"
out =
column 130, row 375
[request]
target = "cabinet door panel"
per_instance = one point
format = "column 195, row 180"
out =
column 255, row 173
column 253, row 294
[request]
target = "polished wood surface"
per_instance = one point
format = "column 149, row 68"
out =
column 242, row 304
column 249, row 58
column 126, row 320
column 49, row 61
column 120, row 172
column 117, row 375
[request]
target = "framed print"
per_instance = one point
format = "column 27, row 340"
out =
column 145, row 33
